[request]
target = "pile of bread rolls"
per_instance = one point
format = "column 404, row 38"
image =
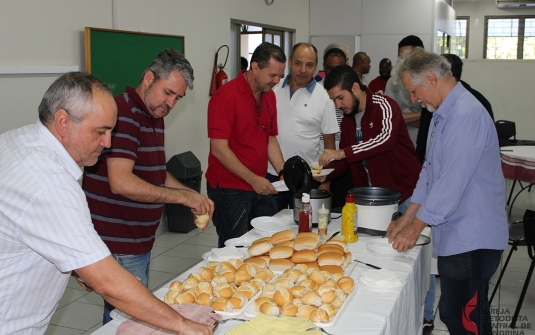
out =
column 282, row 250
column 305, row 292
column 224, row 286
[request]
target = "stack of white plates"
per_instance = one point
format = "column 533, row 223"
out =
column 268, row 225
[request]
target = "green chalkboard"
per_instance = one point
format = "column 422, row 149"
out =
column 119, row 57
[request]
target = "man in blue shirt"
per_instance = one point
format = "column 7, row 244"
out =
column 460, row 192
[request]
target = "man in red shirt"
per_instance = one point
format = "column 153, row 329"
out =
column 242, row 127
column 378, row 85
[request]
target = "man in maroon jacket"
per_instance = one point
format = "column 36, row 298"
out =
column 375, row 144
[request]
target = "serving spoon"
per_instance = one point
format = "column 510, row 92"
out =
column 333, row 235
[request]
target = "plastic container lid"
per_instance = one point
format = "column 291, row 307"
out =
column 375, row 196
column 323, row 210
column 305, row 198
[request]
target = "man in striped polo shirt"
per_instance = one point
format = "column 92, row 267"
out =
column 128, row 186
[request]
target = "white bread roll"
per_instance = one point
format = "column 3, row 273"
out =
column 346, row 284
column 184, row 298
column 317, row 276
column 280, row 264
column 246, row 290
column 330, row 282
column 223, row 291
column 269, row 308
column 301, row 267
column 260, row 240
column 304, row 256
column 309, row 283
column 330, row 248
column 319, row 315
column 298, row 291
column 259, row 248
column 328, row 296
column 343, row 244
column 337, row 303
column 242, row 277
column 297, row 302
column 308, row 234
column 222, row 304
column 330, row 309
column 312, row 265
column 227, row 265
column 189, row 284
column 292, row 274
column 203, row 287
column 202, row 221
column 203, row 299
column 169, row 298
column 283, row 297
column 258, row 302
column 260, row 262
column 238, row 301
column 176, row 286
column 248, row 268
column 305, row 243
column 312, row 298
column 235, row 262
column 258, row 282
column 265, row 274
column 332, row 269
column 228, row 274
column 289, row 309
column 286, row 244
column 282, row 236
column 304, row 311
column 331, row 258
column 280, row 252
column 283, row 283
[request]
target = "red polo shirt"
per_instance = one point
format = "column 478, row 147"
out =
column 234, row 115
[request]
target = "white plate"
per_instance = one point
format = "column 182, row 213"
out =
column 280, row 186
column 262, row 233
column 324, row 172
column 244, row 241
column 373, row 285
column 120, row 316
column 381, row 246
column 269, row 224
column 209, row 256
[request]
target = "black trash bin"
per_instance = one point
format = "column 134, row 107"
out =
column 186, row 168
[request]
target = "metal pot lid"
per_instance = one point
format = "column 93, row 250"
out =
column 297, row 176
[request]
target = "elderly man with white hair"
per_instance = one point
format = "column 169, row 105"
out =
column 460, row 192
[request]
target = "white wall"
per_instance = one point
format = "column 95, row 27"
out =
column 50, row 32
column 507, row 84
column 381, row 24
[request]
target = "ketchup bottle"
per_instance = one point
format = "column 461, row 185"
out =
column 305, row 214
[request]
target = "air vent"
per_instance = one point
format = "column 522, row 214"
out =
column 515, row 3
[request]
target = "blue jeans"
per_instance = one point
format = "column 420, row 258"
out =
column 283, row 200
column 138, row 265
column 234, row 210
column 464, row 282
column 429, row 312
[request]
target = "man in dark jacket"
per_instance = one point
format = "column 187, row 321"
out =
column 375, row 144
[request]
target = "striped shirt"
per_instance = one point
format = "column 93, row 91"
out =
column 45, row 228
column 127, row 226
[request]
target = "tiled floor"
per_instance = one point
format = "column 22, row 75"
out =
column 80, row 312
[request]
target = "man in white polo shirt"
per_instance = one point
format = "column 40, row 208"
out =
column 304, row 112
column 45, row 225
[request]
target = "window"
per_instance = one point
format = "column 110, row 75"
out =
column 509, row 37
column 459, row 45
column 443, row 42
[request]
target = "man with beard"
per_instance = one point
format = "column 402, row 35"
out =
column 375, row 143
column 128, row 186
column 378, row 85
column 242, row 127
column 304, row 113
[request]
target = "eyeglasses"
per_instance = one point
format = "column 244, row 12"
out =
column 259, row 125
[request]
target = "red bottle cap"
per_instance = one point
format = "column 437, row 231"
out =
column 350, row 197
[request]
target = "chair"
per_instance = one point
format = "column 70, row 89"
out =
column 521, row 233
column 506, row 130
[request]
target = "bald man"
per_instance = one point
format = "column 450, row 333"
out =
column 378, row 85
column 361, row 65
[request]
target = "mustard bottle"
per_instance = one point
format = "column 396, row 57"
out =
column 349, row 213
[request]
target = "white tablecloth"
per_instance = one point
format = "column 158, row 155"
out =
column 370, row 311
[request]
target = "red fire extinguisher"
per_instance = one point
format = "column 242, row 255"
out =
column 218, row 77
